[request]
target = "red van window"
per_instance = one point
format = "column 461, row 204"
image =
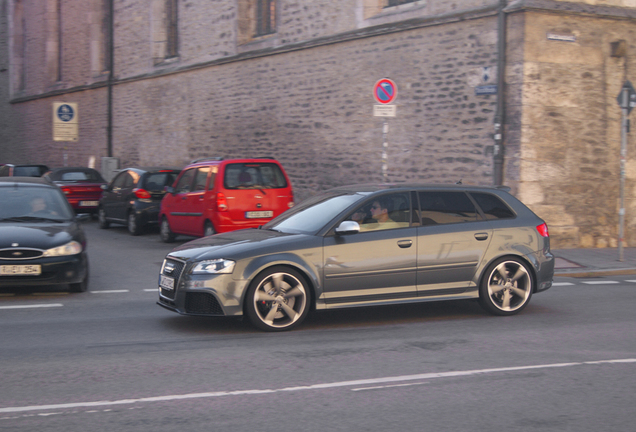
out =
column 254, row 176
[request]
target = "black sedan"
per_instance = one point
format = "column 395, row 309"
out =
column 41, row 240
column 363, row 246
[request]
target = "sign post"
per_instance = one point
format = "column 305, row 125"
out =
column 385, row 92
column 627, row 101
column 65, row 123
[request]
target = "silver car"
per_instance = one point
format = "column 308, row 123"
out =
column 362, row 246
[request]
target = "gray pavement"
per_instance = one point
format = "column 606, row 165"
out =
column 594, row 262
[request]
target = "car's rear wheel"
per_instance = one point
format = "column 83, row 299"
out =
column 507, row 286
column 101, row 219
column 208, row 229
column 165, row 232
column 134, row 226
column 278, row 299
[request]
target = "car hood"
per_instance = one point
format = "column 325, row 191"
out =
column 38, row 235
column 234, row 244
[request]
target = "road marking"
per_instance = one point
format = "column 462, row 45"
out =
column 35, row 306
column 561, row 284
column 354, row 383
column 151, row 289
column 599, row 282
column 634, row 281
column 388, row 386
column 110, row 291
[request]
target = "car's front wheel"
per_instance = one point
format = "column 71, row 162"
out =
column 101, row 219
column 81, row 286
column 165, row 232
column 278, row 299
column 507, row 286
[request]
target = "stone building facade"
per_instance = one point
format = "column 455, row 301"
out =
column 293, row 80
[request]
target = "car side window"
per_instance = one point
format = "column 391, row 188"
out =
column 437, row 207
column 184, row 184
column 492, row 206
column 200, row 179
column 120, row 180
column 389, row 211
column 129, row 181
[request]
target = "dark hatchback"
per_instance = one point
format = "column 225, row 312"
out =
column 41, row 240
column 365, row 246
column 82, row 186
column 133, row 198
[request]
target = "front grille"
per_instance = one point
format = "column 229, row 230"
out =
column 177, row 268
column 20, row 253
column 202, row 303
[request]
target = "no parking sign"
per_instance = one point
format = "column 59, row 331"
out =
column 65, row 121
column 385, row 91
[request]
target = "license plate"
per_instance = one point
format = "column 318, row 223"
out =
column 166, row 282
column 26, row 270
column 259, row 214
column 88, row 203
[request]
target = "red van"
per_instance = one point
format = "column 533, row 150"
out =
column 214, row 195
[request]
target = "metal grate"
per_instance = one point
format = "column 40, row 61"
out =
column 202, row 303
column 20, row 254
column 175, row 274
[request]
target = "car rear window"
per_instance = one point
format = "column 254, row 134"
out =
column 28, row 171
column 254, row 176
column 86, row 176
column 157, row 181
column 492, row 206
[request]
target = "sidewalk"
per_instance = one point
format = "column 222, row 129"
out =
column 594, row 262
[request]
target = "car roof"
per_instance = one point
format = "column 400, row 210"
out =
column 142, row 170
column 24, row 181
column 219, row 161
column 377, row 187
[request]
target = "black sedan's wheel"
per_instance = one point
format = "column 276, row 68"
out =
column 101, row 219
column 208, row 230
column 134, row 227
column 80, row 286
column 507, row 287
column 277, row 300
column 165, row 232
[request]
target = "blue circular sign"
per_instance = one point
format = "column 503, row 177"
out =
column 65, row 113
column 385, row 91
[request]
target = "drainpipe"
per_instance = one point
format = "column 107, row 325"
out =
column 498, row 151
column 111, row 61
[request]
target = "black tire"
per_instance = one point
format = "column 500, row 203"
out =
column 208, row 229
column 278, row 299
column 165, row 232
column 101, row 219
column 506, row 287
column 134, row 225
column 81, row 286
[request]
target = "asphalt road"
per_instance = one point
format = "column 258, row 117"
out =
column 112, row 360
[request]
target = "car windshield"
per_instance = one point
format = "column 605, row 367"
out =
column 33, row 204
column 28, row 171
column 314, row 213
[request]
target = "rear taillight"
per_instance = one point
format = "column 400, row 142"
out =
column 141, row 193
column 66, row 191
column 221, row 202
column 290, row 204
column 543, row 230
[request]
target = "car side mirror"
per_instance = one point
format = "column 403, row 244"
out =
column 169, row 189
column 348, row 227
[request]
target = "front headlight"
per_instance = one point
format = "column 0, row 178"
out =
column 71, row 248
column 216, row 266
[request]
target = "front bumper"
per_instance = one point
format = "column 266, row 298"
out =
column 203, row 295
column 55, row 271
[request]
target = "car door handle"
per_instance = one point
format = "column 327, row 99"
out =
column 405, row 243
column 481, row 236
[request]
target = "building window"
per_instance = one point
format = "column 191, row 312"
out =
column 265, row 17
column 105, row 35
column 391, row 3
column 54, row 40
column 165, row 41
column 19, row 46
